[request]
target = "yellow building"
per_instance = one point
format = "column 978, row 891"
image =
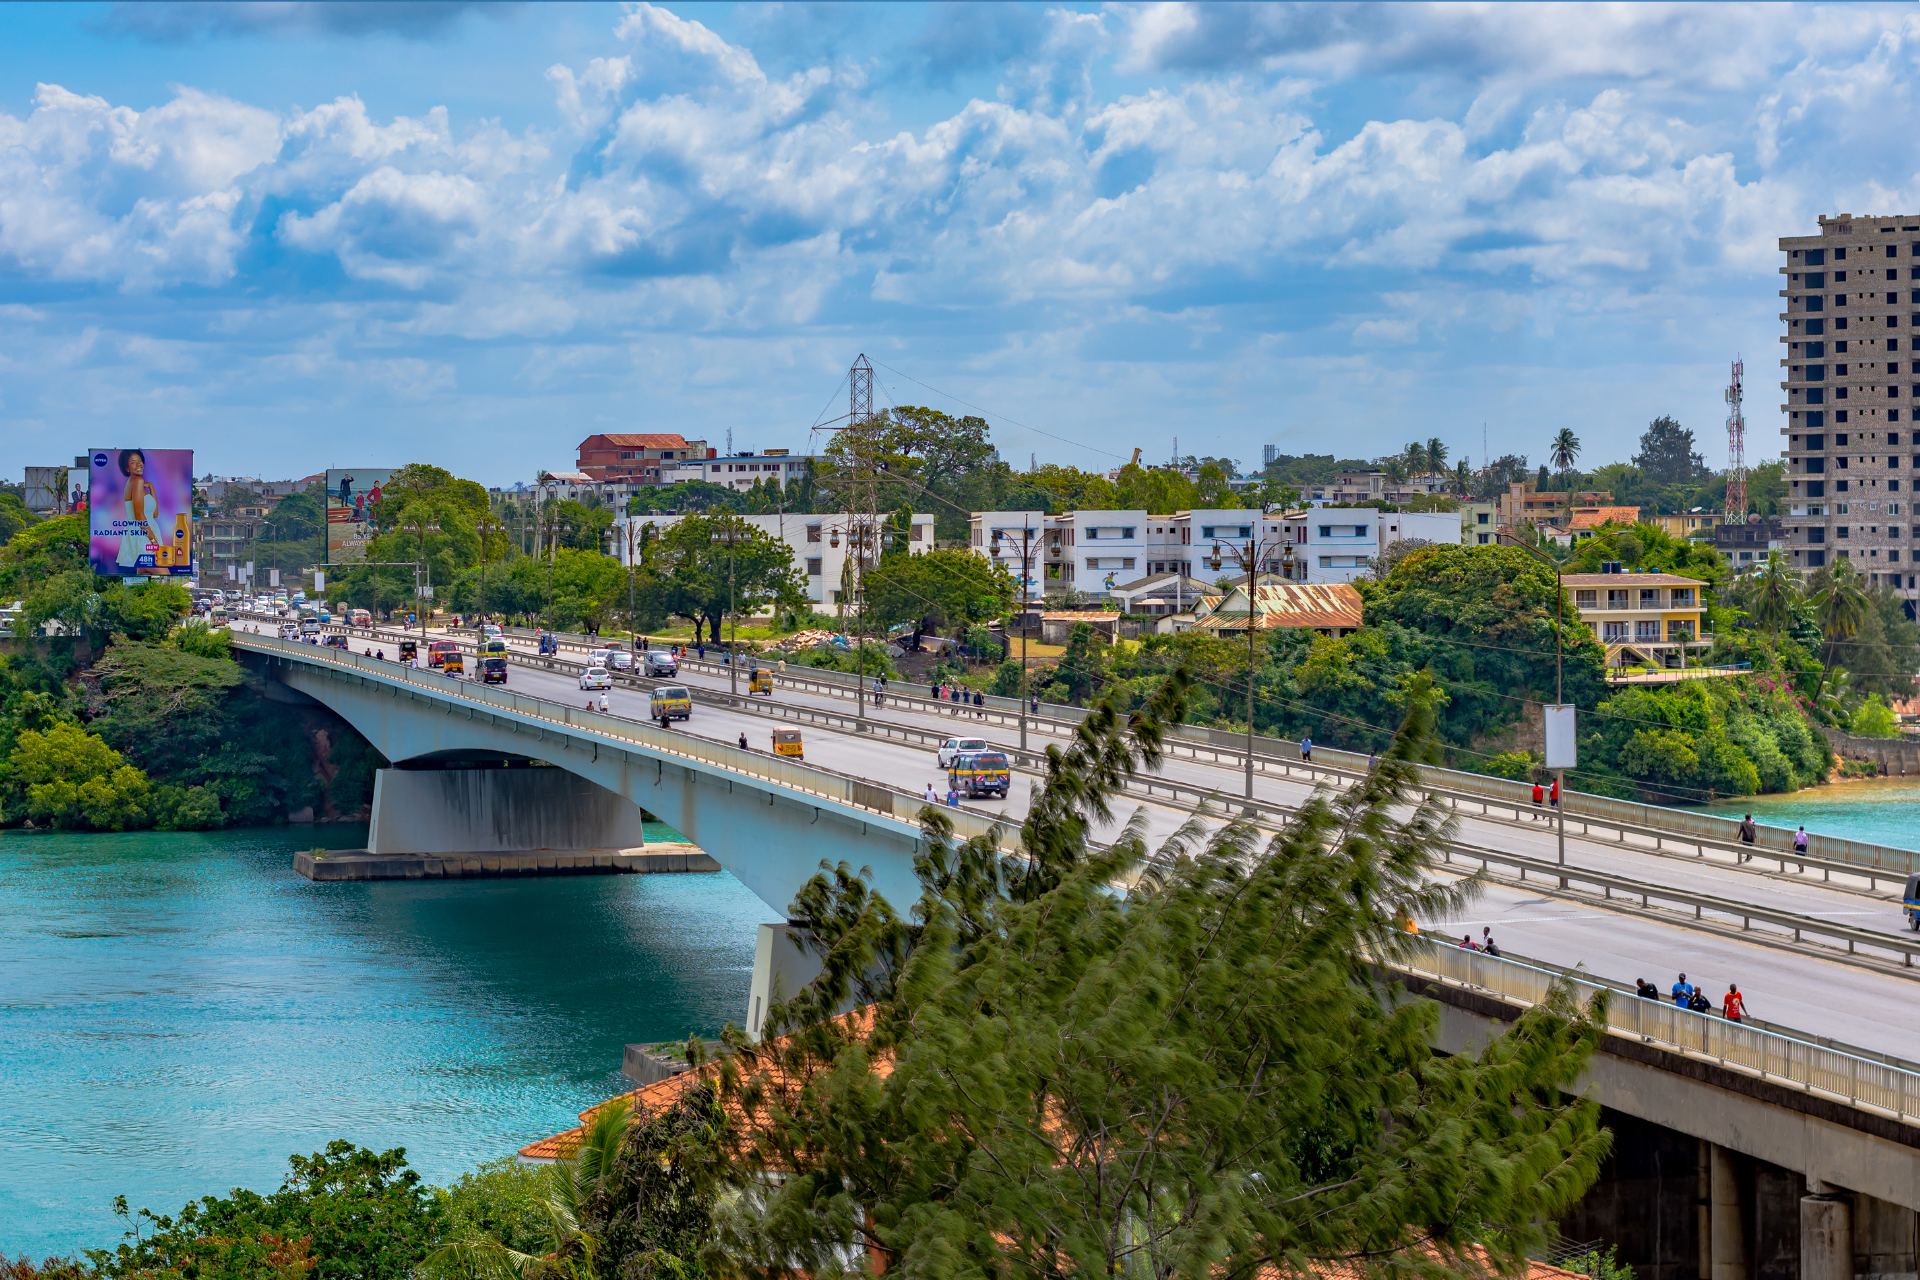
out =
column 1650, row 618
column 1686, row 524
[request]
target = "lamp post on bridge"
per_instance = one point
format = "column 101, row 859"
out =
column 1248, row 557
column 1558, row 721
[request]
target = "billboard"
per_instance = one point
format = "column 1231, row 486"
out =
column 140, row 504
column 351, row 494
column 46, row 486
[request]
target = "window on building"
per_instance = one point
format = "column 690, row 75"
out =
column 1614, row 632
column 1815, row 559
column 1840, row 531
column 1649, row 597
column 1616, row 599
column 1647, row 629
column 813, row 533
column 1583, row 599
column 813, row 566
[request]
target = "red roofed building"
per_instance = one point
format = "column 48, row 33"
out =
column 635, row 458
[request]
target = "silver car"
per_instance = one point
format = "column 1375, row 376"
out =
column 656, row 662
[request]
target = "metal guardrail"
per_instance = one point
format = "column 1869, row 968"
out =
column 1646, row 822
column 1889, row 1087
column 781, row 771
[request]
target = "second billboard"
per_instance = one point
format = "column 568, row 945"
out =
column 351, row 495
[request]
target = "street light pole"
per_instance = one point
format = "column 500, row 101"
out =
column 1248, row 557
column 1559, row 687
column 733, row 615
column 1026, row 580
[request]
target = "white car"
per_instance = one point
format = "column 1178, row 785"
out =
column 954, row 746
column 599, row 657
column 620, row 660
column 595, row 678
column 289, row 632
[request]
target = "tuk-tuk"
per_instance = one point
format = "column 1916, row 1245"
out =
column 786, row 742
column 669, row 702
column 492, row 645
column 1912, row 901
column 454, row 663
column 980, row 773
column 409, row 650
column 760, row 682
column 493, row 670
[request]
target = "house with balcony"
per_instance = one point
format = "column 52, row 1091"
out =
column 1652, row 619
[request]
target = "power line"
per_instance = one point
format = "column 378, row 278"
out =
column 1003, row 417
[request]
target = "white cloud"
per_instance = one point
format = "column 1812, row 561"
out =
column 1552, row 170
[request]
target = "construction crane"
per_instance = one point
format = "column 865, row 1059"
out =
column 1136, row 459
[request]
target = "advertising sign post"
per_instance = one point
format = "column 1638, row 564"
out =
column 1563, row 753
column 351, row 495
column 140, row 512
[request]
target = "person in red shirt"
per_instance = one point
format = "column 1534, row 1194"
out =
column 1734, row 1006
column 1554, row 798
column 1539, row 794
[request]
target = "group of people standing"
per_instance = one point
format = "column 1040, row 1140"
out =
column 1733, row 1005
column 960, row 697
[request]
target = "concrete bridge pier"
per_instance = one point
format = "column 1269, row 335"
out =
column 1826, row 1234
column 497, row 807
column 1726, row 1215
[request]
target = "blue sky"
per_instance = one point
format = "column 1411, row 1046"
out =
column 293, row 236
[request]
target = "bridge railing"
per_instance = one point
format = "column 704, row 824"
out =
column 1650, row 823
column 1890, row 1087
column 782, row 771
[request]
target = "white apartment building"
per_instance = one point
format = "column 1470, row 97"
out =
column 821, row 545
column 1017, row 540
column 1339, row 544
column 740, row 470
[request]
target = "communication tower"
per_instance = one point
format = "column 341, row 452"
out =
column 1736, row 451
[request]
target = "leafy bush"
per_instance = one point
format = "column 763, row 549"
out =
column 1874, row 719
column 74, row 780
column 345, row 1213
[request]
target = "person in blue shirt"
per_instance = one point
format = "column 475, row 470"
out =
column 1682, row 992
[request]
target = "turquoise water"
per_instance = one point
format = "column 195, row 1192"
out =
column 178, row 1012
column 1881, row 810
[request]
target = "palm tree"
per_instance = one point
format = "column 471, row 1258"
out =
column 1775, row 596
column 1436, row 455
column 1564, row 449
column 1840, row 604
column 1414, row 458
column 570, row 1183
column 1462, row 478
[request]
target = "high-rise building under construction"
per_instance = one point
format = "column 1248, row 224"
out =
column 1853, row 388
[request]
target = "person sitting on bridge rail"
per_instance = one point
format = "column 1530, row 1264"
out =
column 1487, row 944
column 1747, row 835
column 1467, row 942
column 1734, row 1006
column 1682, row 992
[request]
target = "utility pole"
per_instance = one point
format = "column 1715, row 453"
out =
column 733, row 608
column 1248, row 557
column 1026, row 559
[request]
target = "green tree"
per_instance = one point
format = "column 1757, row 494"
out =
column 940, row 588
column 363, row 1215
column 1564, row 450
column 39, row 552
column 710, row 563
column 73, row 779
column 1666, row 453
column 14, row 516
column 1776, row 595
column 1840, row 603
column 1874, row 719
column 1437, row 455
column 1197, row 1076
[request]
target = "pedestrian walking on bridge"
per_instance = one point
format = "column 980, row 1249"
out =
column 1306, row 749
column 1748, row 833
column 1682, row 992
column 1734, row 1006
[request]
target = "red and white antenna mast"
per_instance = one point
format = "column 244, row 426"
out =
column 1736, row 452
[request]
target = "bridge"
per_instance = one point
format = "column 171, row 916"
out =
column 1822, row 1088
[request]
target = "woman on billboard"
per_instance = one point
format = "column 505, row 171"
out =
column 144, row 519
